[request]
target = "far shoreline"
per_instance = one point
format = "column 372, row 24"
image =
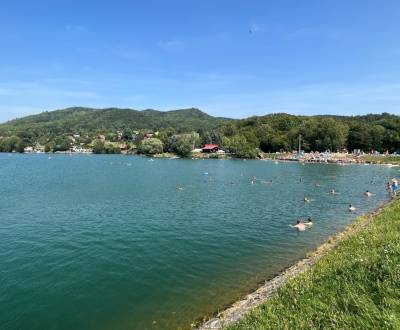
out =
column 365, row 160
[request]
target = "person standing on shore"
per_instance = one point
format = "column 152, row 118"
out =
column 395, row 186
column 389, row 188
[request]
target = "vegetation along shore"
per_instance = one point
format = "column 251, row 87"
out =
column 350, row 282
column 181, row 132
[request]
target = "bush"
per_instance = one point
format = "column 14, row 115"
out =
column 150, row 146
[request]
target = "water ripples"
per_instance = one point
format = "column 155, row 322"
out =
column 92, row 243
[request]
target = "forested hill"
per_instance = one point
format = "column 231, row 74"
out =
column 244, row 137
column 93, row 121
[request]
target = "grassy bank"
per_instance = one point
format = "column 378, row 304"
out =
column 381, row 159
column 355, row 286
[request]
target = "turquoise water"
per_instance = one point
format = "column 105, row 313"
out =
column 107, row 242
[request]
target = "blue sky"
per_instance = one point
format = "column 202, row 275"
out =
column 228, row 58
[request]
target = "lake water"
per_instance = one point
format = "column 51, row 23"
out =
column 107, row 242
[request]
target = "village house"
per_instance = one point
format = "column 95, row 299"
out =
column 38, row 148
column 148, row 135
column 124, row 148
column 210, row 148
column 28, row 149
column 135, row 134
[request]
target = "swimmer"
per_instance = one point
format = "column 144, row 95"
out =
column 309, row 222
column 352, row 208
column 307, row 200
column 334, row 192
column 299, row 226
column 266, row 182
column 179, row 188
column 368, row 193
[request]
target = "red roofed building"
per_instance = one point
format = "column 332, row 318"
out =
column 210, row 148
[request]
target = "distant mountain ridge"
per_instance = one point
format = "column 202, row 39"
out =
column 81, row 119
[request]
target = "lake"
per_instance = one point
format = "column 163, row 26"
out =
column 108, row 242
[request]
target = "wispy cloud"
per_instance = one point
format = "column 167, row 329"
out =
column 255, row 28
column 170, row 44
column 6, row 92
column 42, row 95
column 75, row 28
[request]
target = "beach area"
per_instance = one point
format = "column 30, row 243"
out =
column 343, row 158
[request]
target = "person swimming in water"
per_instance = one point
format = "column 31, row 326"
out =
column 334, row 192
column 352, row 208
column 368, row 193
column 300, row 226
column 307, row 200
column 309, row 222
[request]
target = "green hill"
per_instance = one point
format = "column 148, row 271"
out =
column 88, row 121
column 244, row 137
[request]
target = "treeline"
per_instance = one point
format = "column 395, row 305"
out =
column 181, row 130
column 280, row 132
column 12, row 144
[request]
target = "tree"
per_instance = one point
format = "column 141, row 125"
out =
column 61, row 144
column 10, row 144
column 98, row 147
column 184, row 146
column 359, row 138
column 239, row 146
column 275, row 142
column 150, row 146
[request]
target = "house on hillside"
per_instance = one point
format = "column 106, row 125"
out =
column 148, row 135
column 124, row 148
column 28, row 149
column 210, row 148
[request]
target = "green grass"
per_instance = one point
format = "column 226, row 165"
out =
column 355, row 286
column 382, row 159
